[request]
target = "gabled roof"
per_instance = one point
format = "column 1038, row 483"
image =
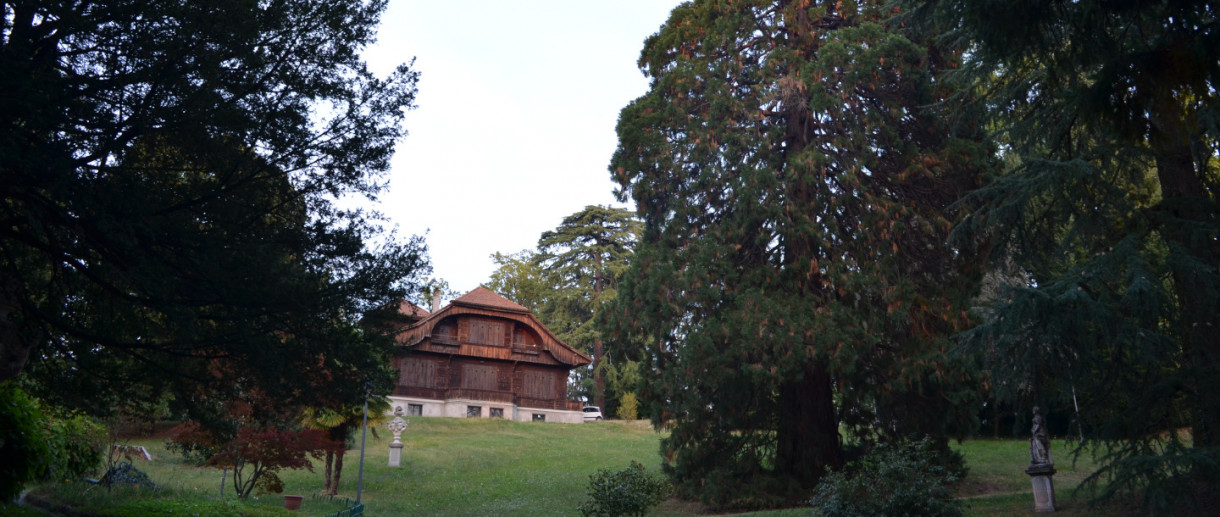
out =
column 485, row 298
column 412, row 311
column 484, row 302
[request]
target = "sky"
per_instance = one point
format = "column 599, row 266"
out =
column 514, row 127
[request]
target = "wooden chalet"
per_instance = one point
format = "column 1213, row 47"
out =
column 484, row 356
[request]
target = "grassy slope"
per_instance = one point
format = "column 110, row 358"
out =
column 495, row 467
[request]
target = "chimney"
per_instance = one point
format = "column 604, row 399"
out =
column 436, row 299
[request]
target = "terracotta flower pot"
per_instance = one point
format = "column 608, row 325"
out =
column 293, row 502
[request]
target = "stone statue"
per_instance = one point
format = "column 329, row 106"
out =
column 1041, row 468
column 1039, row 441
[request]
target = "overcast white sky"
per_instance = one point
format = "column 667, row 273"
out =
column 515, row 124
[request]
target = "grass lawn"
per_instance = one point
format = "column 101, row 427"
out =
column 466, row 467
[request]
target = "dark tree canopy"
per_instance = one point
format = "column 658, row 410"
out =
column 797, row 186
column 169, row 172
column 1111, row 116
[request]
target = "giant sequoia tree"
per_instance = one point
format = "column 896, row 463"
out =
column 793, row 278
column 168, row 172
column 1112, row 115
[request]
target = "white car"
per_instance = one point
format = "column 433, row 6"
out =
column 592, row 413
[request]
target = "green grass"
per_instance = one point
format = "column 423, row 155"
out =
column 497, row 467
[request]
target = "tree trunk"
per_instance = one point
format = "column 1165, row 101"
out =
column 1185, row 206
column 327, row 483
column 334, row 487
column 808, row 432
column 599, row 376
column 15, row 340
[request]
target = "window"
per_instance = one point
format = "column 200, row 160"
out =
column 496, row 412
column 539, row 417
column 415, row 410
column 474, row 411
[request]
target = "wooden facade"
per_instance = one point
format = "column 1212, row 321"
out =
column 483, row 355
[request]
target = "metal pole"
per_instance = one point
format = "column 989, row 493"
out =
column 363, row 432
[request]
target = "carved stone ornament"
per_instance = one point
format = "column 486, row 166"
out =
column 397, row 426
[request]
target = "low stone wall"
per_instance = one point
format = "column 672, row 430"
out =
column 462, row 408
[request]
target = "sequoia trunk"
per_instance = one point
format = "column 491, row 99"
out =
column 808, row 432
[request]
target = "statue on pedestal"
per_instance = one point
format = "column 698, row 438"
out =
column 1041, row 466
column 397, row 426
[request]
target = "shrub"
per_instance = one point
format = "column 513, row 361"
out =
column 629, row 407
column 630, row 491
column 77, row 444
column 892, row 479
column 22, row 446
column 256, row 455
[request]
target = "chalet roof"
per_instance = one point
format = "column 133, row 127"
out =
column 484, row 297
column 484, row 302
column 412, row 311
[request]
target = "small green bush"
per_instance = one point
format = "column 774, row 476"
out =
column 77, row 444
column 629, row 407
column 630, row 491
column 892, row 479
column 25, row 452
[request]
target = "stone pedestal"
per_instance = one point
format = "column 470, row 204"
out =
column 1044, row 487
column 395, row 454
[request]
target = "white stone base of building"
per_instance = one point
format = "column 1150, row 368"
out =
column 462, row 408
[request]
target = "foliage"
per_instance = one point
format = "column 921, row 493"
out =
column 519, row 278
column 169, row 224
column 1109, row 214
column 796, row 180
column 628, row 407
column 25, row 452
column 41, row 442
column 623, row 379
column 339, row 426
column 630, row 491
column 435, row 289
column 892, row 479
column 573, row 272
column 265, row 452
column 76, row 444
column 584, row 258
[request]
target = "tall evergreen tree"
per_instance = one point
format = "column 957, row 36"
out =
column 168, row 173
column 519, row 278
column 793, row 278
column 584, row 258
column 1112, row 112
